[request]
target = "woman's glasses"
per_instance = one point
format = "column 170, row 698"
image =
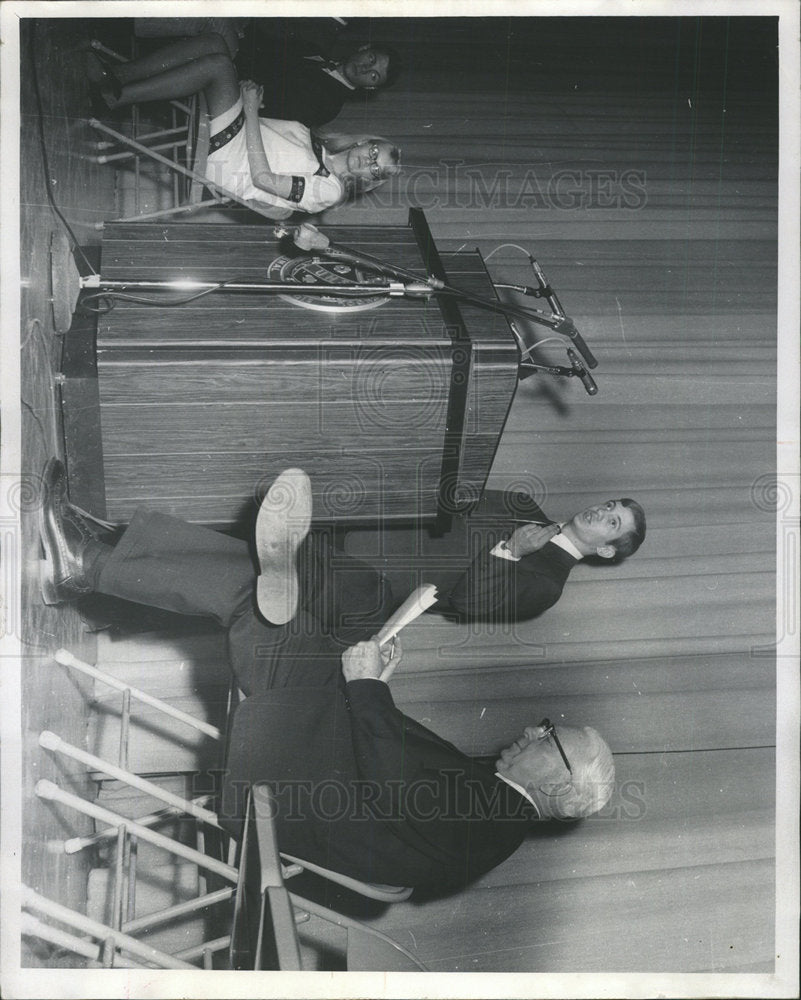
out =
column 372, row 152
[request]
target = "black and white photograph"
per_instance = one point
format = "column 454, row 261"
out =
column 399, row 495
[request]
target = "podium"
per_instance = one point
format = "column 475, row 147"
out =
column 393, row 406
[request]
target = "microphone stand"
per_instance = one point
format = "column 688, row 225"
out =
column 400, row 283
column 581, row 359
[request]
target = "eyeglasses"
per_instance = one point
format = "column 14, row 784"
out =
column 549, row 732
column 372, row 152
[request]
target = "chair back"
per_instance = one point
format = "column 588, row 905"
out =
column 263, row 932
column 198, row 146
column 299, row 736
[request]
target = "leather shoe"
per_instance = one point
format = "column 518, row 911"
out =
column 105, row 88
column 64, row 535
column 283, row 522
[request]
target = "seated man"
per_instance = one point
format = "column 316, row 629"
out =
column 360, row 787
column 302, row 85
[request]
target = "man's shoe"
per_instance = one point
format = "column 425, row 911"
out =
column 283, row 522
column 64, row 535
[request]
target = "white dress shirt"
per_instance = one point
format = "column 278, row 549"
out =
column 502, row 552
column 518, row 788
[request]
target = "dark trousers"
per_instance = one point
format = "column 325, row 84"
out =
column 167, row 563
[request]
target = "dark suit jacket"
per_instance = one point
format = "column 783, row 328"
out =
column 494, row 589
column 295, row 88
column 473, row 584
column 365, row 790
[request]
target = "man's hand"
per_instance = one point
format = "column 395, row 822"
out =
column 368, row 659
column 362, row 660
column 309, row 237
column 252, row 95
column 531, row 538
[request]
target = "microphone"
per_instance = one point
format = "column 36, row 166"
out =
column 569, row 330
column 581, row 371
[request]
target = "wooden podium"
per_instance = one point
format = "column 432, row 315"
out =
column 395, row 409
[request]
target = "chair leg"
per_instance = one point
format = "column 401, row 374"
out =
column 74, row 844
column 53, row 742
column 33, row 927
column 50, row 791
column 34, row 901
column 67, row 659
column 208, row 948
column 150, row 920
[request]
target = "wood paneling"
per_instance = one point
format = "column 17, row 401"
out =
column 201, row 406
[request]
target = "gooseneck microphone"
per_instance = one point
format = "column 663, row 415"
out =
column 582, row 373
column 308, row 237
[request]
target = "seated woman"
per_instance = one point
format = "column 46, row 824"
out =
column 277, row 165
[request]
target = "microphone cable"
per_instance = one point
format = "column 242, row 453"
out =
column 45, row 159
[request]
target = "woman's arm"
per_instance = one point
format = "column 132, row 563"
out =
column 261, row 174
column 276, row 212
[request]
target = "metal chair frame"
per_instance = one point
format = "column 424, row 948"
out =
column 187, row 136
column 128, row 832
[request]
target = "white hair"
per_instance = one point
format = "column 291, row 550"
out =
column 592, row 784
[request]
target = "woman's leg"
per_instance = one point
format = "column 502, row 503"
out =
column 214, row 74
column 185, row 27
column 169, row 57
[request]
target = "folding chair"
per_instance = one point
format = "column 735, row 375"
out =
column 99, row 943
column 184, row 140
column 129, row 833
column 264, row 928
column 381, row 893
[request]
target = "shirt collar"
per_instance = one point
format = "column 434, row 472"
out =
column 339, row 77
column 567, row 545
column 517, row 788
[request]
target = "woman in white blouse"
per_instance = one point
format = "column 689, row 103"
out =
column 279, row 165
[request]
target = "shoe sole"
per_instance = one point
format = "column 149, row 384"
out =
column 283, row 522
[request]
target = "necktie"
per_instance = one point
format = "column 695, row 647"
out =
column 322, row 63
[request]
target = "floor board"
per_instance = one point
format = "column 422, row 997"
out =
column 51, row 698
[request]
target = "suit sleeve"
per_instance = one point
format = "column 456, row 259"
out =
column 388, row 743
column 400, row 757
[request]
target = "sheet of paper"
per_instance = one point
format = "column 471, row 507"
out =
column 415, row 604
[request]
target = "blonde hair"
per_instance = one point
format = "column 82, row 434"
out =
column 338, row 142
